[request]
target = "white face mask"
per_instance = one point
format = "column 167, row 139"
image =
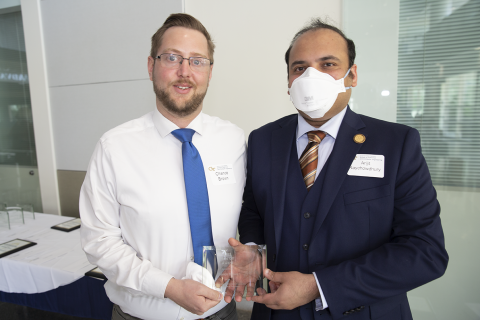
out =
column 315, row 92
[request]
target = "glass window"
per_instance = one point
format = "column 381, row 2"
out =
column 19, row 182
column 427, row 55
column 439, row 57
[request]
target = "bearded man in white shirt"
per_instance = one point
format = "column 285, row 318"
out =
column 134, row 200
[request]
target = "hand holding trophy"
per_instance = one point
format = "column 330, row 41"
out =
column 235, row 268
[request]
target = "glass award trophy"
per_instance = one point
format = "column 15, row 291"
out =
column 227, row 269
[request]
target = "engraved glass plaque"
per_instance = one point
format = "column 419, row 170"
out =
column 69, row 225
column 13, row 246
column 227, row 269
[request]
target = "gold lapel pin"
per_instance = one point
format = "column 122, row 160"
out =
column 359, row 138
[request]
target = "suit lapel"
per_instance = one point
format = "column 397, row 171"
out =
column 338, row 164
column 282, row 140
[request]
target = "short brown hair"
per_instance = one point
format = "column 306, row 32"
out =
column 181, row 20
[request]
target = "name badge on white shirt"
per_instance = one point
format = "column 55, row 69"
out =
column 368, row 165
column 221, row 174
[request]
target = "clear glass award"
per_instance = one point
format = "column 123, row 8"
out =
column 227, row 269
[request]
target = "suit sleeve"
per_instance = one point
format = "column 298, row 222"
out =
column 250, row 224
column 415, row 253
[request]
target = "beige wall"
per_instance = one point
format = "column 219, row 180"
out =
column 96, row 57
column 69, row 184
column 87, row 64
column 249, row 83
column 97, row 74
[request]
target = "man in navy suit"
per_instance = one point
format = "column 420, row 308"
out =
column 366, row 229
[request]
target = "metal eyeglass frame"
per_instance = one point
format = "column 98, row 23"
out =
column 182, row 58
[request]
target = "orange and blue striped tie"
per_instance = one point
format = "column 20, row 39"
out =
column 309, row 159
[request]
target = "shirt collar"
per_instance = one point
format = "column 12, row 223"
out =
column 165, row 126
column 331, row 127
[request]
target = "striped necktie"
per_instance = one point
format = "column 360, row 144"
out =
column 309, row 158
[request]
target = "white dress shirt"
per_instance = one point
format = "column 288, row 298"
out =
column 133, row 206
column 324, row 150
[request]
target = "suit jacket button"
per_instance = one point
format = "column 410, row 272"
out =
column 306, row 215
column 274, row 257
column 305, row 247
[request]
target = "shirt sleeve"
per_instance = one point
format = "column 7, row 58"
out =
column 101, row 235
column 320, row 303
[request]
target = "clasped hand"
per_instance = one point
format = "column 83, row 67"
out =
column 289, row 290
column 244, row 271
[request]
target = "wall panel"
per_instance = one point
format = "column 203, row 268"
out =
column 249, row 83
column 100, row 41
column 96, row 57
column 81, row 114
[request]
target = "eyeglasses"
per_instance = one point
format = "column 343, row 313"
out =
column 173, row 61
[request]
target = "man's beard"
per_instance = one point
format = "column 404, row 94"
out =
column 189, row 106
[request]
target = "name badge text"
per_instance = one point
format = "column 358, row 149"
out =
column 367, row 165
column 221, row 174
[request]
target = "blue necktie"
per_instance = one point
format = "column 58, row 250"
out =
column 197, row 194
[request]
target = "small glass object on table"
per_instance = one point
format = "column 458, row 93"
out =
column 10, row 214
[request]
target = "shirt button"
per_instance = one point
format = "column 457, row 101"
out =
column 191, row 258
column 306, row 215
column 305, row 247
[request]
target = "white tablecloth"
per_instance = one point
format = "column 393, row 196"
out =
column 56, row 260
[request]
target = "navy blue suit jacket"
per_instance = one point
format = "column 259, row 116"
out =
column 374, row 239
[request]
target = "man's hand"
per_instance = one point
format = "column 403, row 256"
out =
column 244, row 270
column 289, row 290
column 192, row 295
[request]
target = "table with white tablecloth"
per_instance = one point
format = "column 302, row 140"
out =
column 50, row 274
